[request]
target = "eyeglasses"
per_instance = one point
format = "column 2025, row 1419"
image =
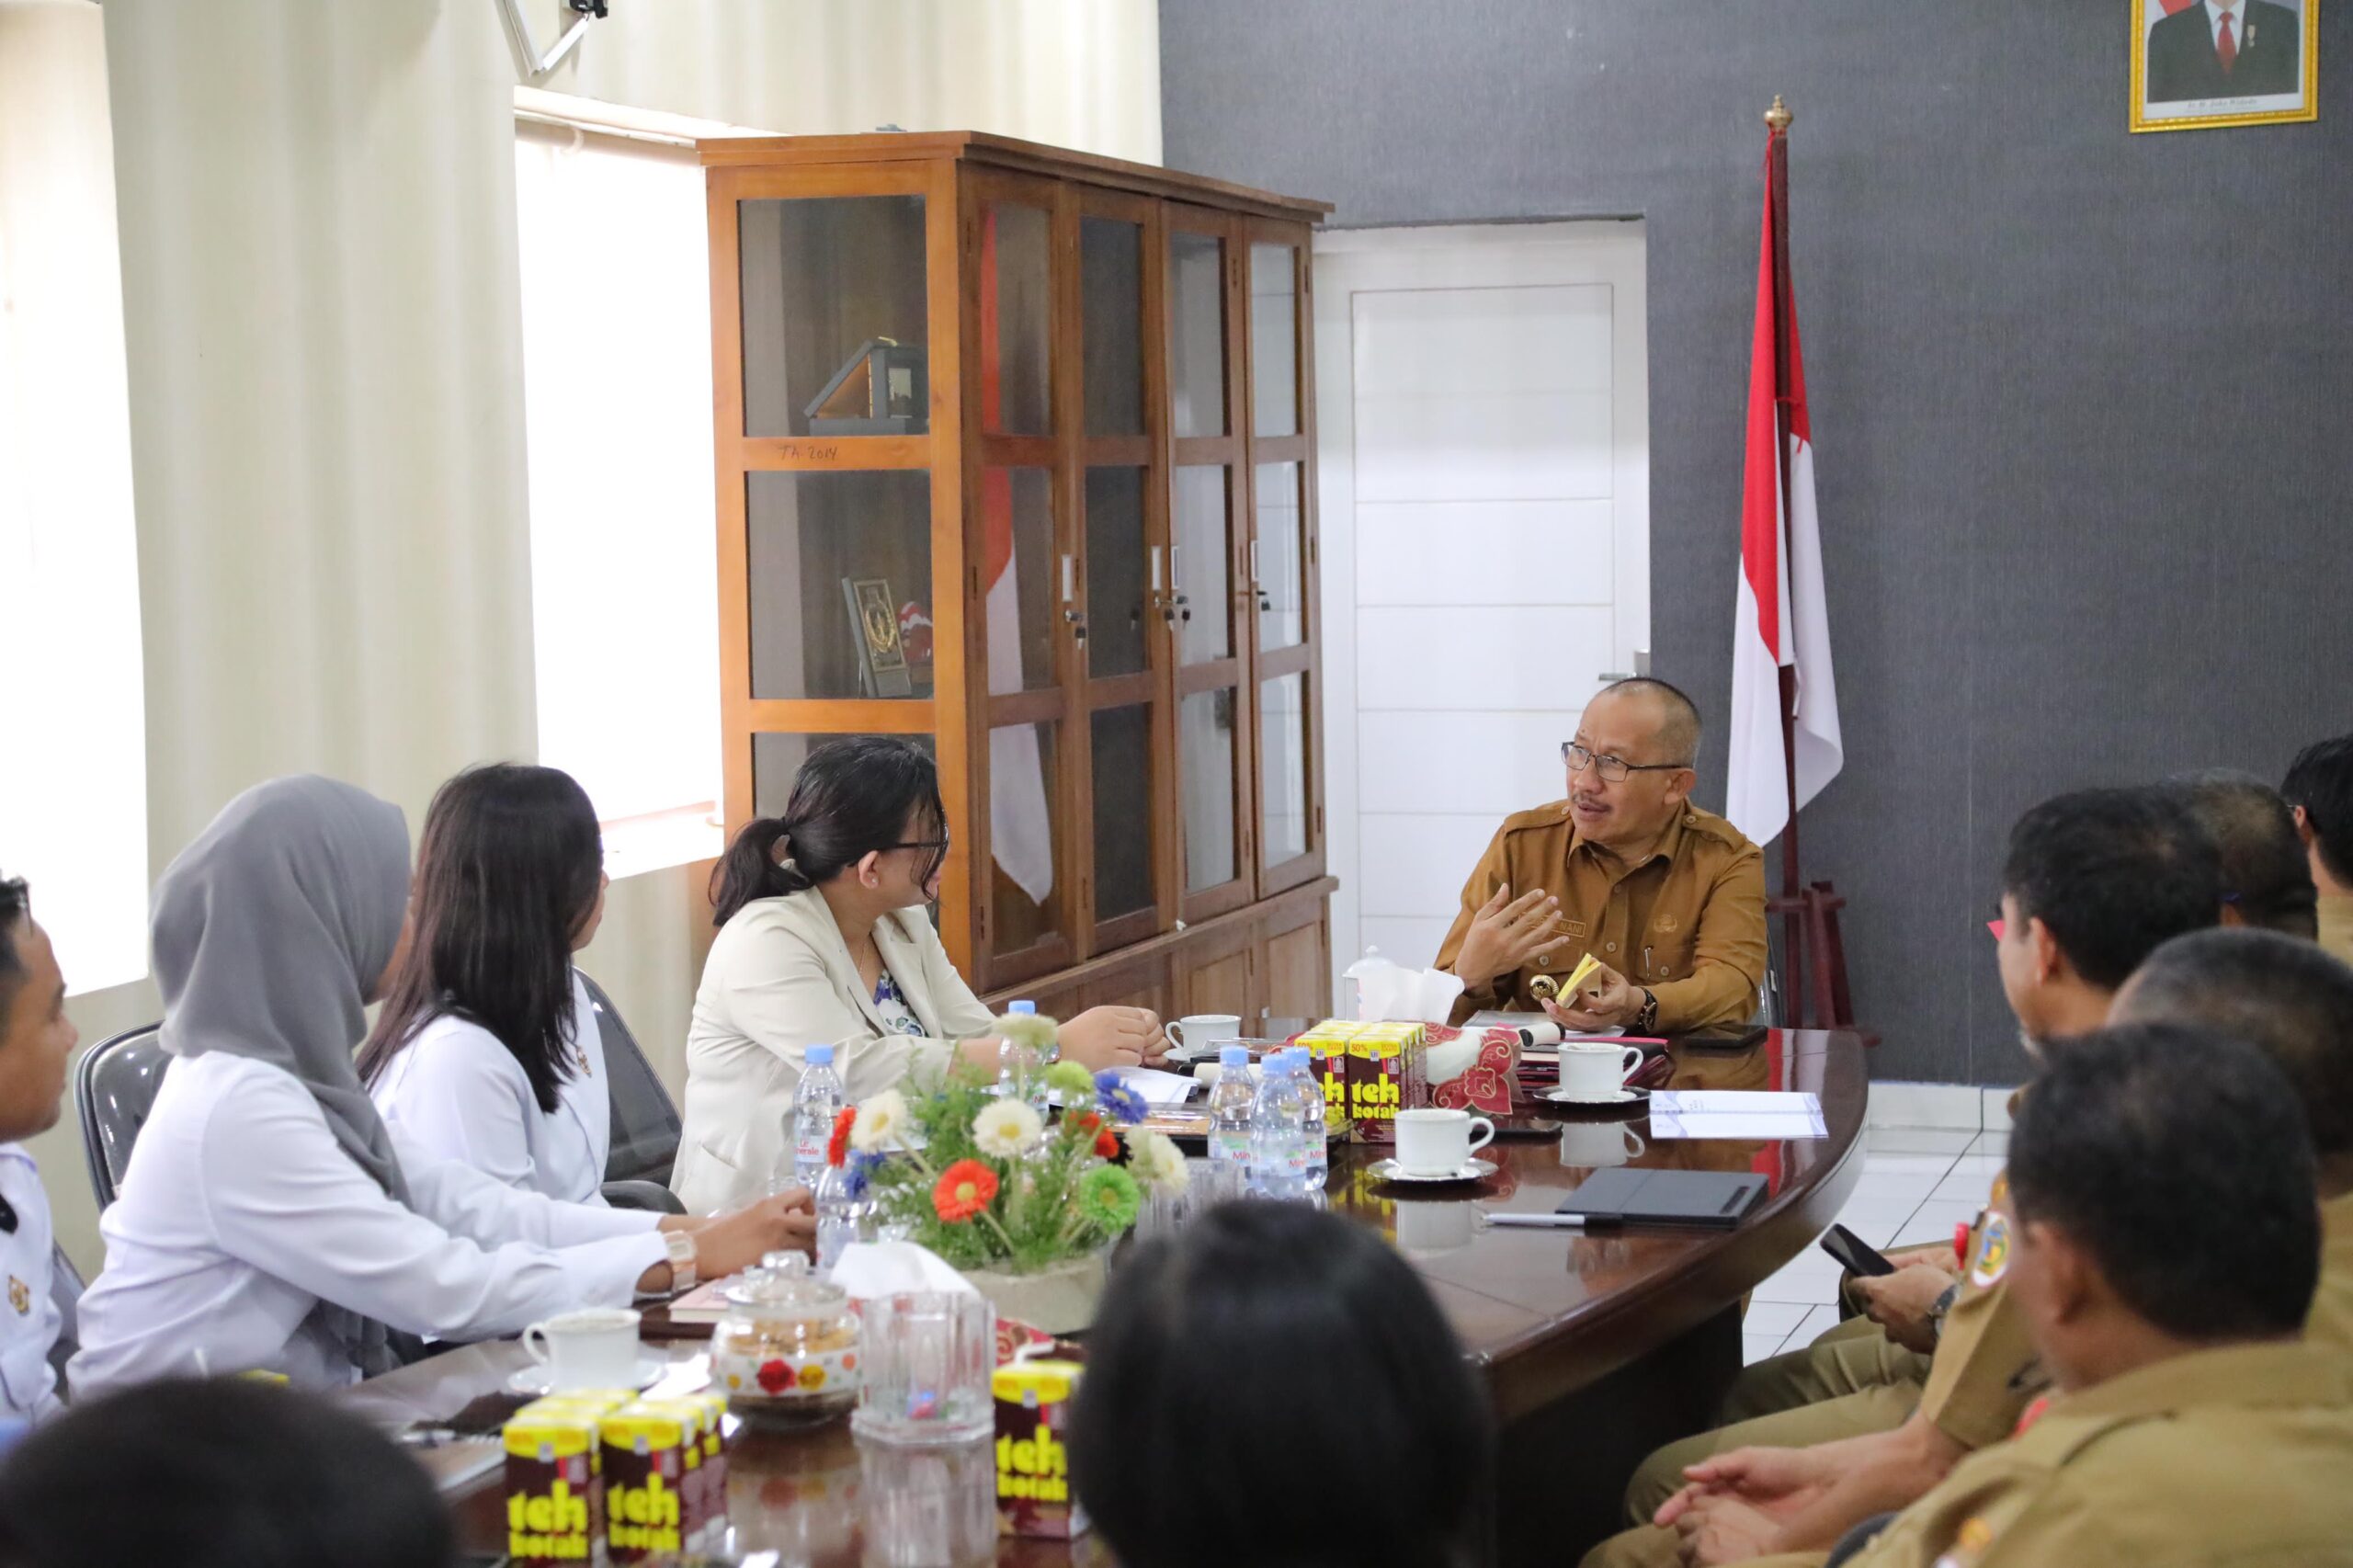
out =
column 1613, row 769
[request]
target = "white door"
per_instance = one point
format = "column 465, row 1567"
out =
column 1483, row 440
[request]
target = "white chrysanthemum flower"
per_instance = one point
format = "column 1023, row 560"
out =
column 1160, row 1164
column 879, row 1120
column 1007, row 1128
column 1034, row 1031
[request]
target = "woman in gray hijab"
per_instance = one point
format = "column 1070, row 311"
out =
column 266, row 1222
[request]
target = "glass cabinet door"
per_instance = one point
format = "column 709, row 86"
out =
column 1013, row 282
column 835, row 326
column 1283, row 627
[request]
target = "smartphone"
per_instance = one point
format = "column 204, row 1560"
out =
column 1858, row 1254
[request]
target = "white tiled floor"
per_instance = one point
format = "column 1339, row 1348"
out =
column 1917, row 1184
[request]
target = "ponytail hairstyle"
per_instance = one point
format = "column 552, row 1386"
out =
column 852, row 798
column 507, row 870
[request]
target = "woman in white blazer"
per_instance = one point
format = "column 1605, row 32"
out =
column 486, row 1051
column 824, row 939
column 268, row 1219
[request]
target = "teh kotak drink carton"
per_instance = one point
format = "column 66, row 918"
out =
column 1033, row 1491
column 1327, row 1059
column 1387, row 1073
column 653, row 1488
column 551, row 1481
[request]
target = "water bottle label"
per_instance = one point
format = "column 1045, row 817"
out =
column 1231, row 1146
column 808, row 1152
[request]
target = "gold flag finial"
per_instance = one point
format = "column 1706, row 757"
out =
column 1779, row 116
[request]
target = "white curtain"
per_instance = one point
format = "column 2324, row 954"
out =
column 73, row 776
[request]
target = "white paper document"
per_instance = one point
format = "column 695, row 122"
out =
column 1735, row 1113
column 1157, row 1088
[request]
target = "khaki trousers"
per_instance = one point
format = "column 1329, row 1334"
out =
column 1851, row 1381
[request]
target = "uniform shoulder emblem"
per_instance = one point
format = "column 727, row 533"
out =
column 1993, row 1259
column 20, row 1296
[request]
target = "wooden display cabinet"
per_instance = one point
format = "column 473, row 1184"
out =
column 1015, row 456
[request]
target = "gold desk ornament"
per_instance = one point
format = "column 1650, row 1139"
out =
column 1544, row 987
column 1778, row 116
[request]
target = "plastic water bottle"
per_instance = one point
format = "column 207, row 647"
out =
column 837, row 1217
column 1229, row 1122
column 1278, row 1162
column 815, row 1104
column 1316, row 1161
column 1016, row 1065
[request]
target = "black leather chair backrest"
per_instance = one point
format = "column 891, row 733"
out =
column 114, row 1088
column 646, row 1120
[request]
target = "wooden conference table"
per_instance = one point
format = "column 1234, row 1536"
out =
column 1597, row 1348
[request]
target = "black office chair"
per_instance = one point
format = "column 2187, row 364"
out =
column 114, row 1088
column 645, row 1120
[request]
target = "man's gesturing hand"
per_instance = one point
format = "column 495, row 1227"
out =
column 1506, row 933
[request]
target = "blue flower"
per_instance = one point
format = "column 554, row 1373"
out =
column 857, row 1173
column 1122, row 1102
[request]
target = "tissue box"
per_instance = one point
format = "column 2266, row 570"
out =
column 1386, row 1074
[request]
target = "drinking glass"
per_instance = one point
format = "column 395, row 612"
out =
column 929, row 1357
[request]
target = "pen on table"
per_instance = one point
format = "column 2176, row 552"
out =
column 1536, row 1222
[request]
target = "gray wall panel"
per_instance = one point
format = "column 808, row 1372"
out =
column 2080, row 397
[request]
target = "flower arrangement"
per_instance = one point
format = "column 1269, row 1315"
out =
column 988, row 1184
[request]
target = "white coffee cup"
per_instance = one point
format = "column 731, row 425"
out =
column 1593, row 1072
column 1588, row 1146
column 1203, row 1031
column 1437, row 1142
column 593, row 1348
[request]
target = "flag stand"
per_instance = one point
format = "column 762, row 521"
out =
column 1814, row 954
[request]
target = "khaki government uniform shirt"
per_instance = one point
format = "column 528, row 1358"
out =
column 2240, row 1455
column 1688, row 922
column 2336, row 925
column 1984, row 1372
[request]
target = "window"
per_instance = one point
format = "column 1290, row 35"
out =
column 617, row 394
column 73, row 772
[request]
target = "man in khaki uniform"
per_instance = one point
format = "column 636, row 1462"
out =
column 2294, row 1003
column 1669, row 899
column 2319, row 788
column 2165, row 1257
column 2093, row 881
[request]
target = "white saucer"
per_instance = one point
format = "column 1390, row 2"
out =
column 1390, row 1170
column 536, row 1378
column 1621, row 1096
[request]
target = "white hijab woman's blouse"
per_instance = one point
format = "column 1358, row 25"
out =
column 455, row 1092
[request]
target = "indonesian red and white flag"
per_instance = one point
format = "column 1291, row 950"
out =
column 1780, row 620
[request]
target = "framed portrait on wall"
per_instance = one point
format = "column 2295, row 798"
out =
column 2202, row 64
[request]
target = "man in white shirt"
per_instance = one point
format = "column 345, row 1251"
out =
column 2224, row 49
column 35, row 1039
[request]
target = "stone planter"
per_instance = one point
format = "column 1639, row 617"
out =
column 1060, row 1298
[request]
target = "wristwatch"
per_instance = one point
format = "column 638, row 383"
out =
column 1941, row 1310
column 1646, row 1019
column 680, row 1245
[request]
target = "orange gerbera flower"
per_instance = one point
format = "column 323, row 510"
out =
column 965, row 1188
column 837, row 1147
column 1106, row 1144
column 1087, row 1122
